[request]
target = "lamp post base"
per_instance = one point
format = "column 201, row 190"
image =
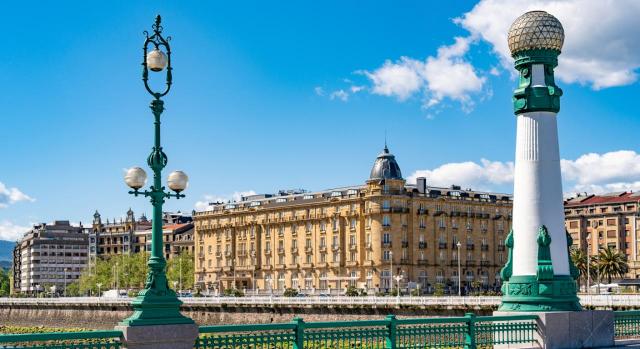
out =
column 151, row 309
column 569, row 330
column 528, row 293
column 159, row 336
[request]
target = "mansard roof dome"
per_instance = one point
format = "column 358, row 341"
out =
column 385, row 166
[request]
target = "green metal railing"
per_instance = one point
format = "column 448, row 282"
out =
column 63, row 340
column 467, row 332
column 627, row 324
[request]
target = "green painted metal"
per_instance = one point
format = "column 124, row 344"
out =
column 507, row 270
column 543, row 291
column 468, row 332
column 157, row 304
column 63, row 340
column 527, row 293
column 544, row 271
column 527, row 98
column 627, row 324
column 392, row 328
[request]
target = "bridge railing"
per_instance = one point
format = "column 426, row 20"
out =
column 603, row 301
column 63, row 340
column 390, row 333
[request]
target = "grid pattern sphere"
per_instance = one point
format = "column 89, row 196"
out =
column 535, row 30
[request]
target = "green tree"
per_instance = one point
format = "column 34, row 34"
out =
column 130, row 270
column 290, row 292
column 612, row 263
column 5, row 283
column 73, row 289
column 181, row 265
column 579, row 259
column 352, row 291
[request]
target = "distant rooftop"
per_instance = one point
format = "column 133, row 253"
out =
column 585, row 199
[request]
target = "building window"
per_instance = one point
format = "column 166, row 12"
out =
column 386, row 255
column 386, row 221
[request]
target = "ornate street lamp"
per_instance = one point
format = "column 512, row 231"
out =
column 156, row 304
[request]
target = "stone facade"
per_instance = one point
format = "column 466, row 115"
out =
column 611, row 220
column 363, row 236
column 49, row 255
column 133, row 235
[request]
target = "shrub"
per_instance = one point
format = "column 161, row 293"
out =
column 290, row 292
column 352, row 291
column 232, row 292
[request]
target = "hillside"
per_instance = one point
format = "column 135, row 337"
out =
column 6, row 250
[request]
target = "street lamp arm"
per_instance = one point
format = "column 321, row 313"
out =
column 157, row 41
column 147, row 193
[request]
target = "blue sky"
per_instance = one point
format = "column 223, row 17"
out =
column 273, row 96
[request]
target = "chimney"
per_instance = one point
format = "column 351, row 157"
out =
column 421, row 183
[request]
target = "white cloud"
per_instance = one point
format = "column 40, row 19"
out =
column 483, row 176
column 208, row 199
column 600, row 48
column 319, row 90
column 339, row 94
column 444, row 76
column 10, row 231
column 593, row 173
column 613, row 171
column 10, row 196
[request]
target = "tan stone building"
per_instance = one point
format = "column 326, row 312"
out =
column 131, row 235
column 364, row 235
column 609, row 220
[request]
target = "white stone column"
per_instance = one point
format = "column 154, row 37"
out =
column 538, row 193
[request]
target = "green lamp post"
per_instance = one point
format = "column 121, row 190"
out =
column 157, row 304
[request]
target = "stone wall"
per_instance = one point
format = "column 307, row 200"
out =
column 94, row 316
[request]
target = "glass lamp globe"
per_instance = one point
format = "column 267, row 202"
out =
column 156, row 60
column 178, row 181
column 135, row 178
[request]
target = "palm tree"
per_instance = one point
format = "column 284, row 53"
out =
column 579, row 259
column 612, row 263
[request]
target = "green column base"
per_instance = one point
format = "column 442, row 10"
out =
column 152, row 309
column 527, row 293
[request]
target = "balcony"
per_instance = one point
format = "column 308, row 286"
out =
column 404, row 260
column 201, row 255
column 470, row 263
column 442, row 245
column 335, row 247
column 323, row 248
column 422, row 245
column 485, row 263
column 423, row 261
column 484, row 247
column 267, row 251
column 422, row 211
column 453, row 263
column 309, row 249
column 281, row 250
column 307, row 265
column 368, row 263
column 280, row 266
column 227, row 253
column 405, row 243
column 470, row 247
column 353, row 247
column 352, row 263
column 500, row 247
column 367, row 245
